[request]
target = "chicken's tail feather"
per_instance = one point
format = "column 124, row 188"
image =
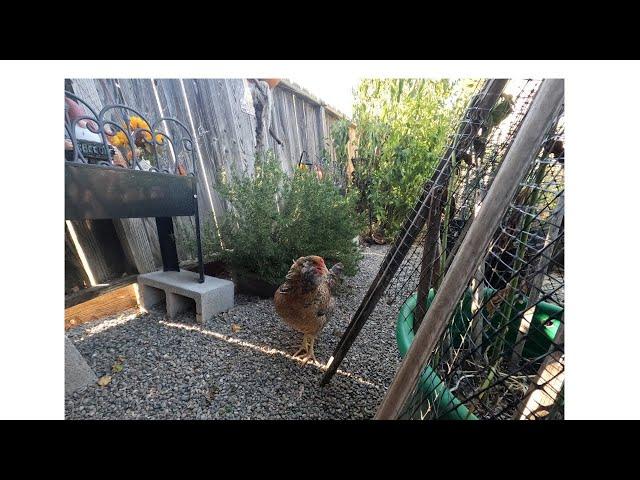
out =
column 335, row 274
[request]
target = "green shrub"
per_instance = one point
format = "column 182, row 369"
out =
column 402, row 128
column 185, row 237
column 339, row 138
column 318, row 220
column 275, row 219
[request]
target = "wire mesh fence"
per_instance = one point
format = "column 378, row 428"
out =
column 470, row 181
column 504, row 344
column 508, row 327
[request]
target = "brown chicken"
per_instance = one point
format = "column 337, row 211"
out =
column 304, row 300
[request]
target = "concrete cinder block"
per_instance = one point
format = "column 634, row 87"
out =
column 177, row 304
column 213, row 296
column 77, row 373
column 150, row 296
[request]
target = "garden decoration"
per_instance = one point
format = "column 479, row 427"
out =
column 309, row 164
column 118, row 165
column 87, row 135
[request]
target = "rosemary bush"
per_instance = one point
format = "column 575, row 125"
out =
column 275, row 219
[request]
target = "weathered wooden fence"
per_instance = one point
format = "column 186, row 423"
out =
column 222, row 120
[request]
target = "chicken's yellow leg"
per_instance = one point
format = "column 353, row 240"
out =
column 307, row 349
column 305, row 345
column 309, row 355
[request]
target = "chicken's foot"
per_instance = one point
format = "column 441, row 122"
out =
column 306, row 348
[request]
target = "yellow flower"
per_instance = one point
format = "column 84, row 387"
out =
column 159, row 139
column 137, row 122
column 119, row 139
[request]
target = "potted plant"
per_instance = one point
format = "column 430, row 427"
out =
column 273, row 82
column 275, row 219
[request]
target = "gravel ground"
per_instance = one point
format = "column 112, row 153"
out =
column 181, row 370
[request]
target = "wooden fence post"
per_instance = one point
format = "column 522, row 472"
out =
column 429, row 256
column 546, row 387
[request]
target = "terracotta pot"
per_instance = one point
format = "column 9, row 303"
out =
column 273, row 82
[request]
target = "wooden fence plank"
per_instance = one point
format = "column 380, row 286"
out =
column 285, row 129
column 292, row 125
column 281, row 151
column 225, row 136
column 211, row 138
column 97, row 93
column 75, row 275
column 245, row 125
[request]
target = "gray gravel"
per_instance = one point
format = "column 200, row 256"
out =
column 181, row 370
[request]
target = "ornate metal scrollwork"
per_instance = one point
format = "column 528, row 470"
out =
column 121, row 136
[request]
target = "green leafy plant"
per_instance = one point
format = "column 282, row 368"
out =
column 402, row 128
column 318, row 220
column 275, row 219
column 339, row 137
column 209, row 238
